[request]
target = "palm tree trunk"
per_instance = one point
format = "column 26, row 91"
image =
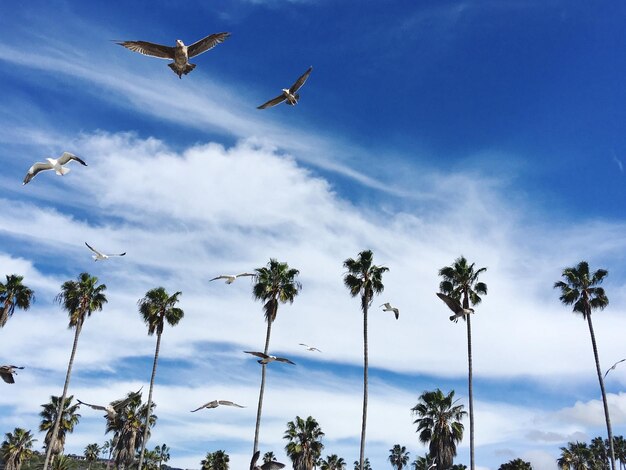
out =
column 470, row 389
column 601, row 380
column 4, row 315
column 262, row 390
column 147, row 424
column 365, row 368
column 55, row 428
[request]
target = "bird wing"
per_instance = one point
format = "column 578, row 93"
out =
column 245, row 274
column 66, row 157
column 210, row 404
column 36, row 168
column 7, row 375
column 149, row 48
column 386, row 305
column 205, row 44
column 300, row 81
column 273, row 102
column 613, row 367
column 273, row 465
column 284, row 359
column 95, row 407
column 254, row 458
column 223, row 276
column 229, row 403
column 450, row 302
column 257, row 354
column 93, row 249
column 122, row 403
column 119, row 254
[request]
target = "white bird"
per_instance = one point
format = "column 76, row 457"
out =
column 310, row 348
column 180, row 53
column 101, row 256
column 7, row 372
column 230, row 278
column 113, row 408
column 455, row 306
column 216, row 403
column 613, row 367
column 55, row 164
column 265, row 359
column 289, row 95
column 271, row 465
column 389, row 308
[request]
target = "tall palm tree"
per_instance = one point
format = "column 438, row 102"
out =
column 92, row 451
column 333, row 462
column 598, row 448
column 163, row 453
column 580, row 288
column 16, row 448
column 128, row 428
column 65, row 423
column 460, row 281
column 305, row 445
column 398, row 457
column 366, row 465
column 14, row 294
column 108, row 447
column 156, row 308
column 364, row 279
column 575, row 456
column 80, row 299
column 439, row 425
column 275, row 283
column 516, row 464
column 619, row 446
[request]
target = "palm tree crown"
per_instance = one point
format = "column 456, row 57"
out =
column 68, row 420
column 81, row 298
column 305, row 446
column 14, row 294
column 460, row 281
column 516, row 464
column 333, row 462
column 439, row 425
column 16, row 448
column 398, row 457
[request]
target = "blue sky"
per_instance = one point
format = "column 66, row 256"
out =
column 426, row 131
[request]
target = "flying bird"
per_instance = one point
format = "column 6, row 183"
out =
column 613, row 367
column 216, row 403
column 389, row 308
column 100, row 256
column 289, row 96
column 113, row 408
column 180, row 53
column 265, row 359
column 455, row 306
column 55, row 164
column 271, row 465
column 7, row 372
column 230, row 278
column 310, row 348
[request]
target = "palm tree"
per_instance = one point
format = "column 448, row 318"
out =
column 580, row 288
column 423, row 463
column 269, row 457
column 63, row 462
column 333, row 462
column 221, row 460
column 516, row 464
column 305, row 446
column 364, row 279
column 156, row 308
column 575, row 456
column 92, row 451
column 65, row 421
column 16, row 448
column 128, row 428
column 14, row 295
column 276, row 283
column 398, row 457
column 80, row 299
column 619, row 445
column 599, row 454
column 460, row 281
column 109, row 447
column 366, row 464
column 163, row 454
column 439, row 425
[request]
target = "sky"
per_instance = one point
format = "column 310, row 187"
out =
column 426, row 131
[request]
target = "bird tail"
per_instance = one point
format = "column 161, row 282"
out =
column 63, row 171
column 454, row 318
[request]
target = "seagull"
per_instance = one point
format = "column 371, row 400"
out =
column 289, row 96
column 389, row 308
column 612, row 367
column 273, row 465
column 55, row 164
column 113, row 408
column 100, row 256
column 455, row 306
column 265, row 359
column 310, row 348
column 180, row 53
column 216, row 403
column 230, row 278
column 7, row 372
